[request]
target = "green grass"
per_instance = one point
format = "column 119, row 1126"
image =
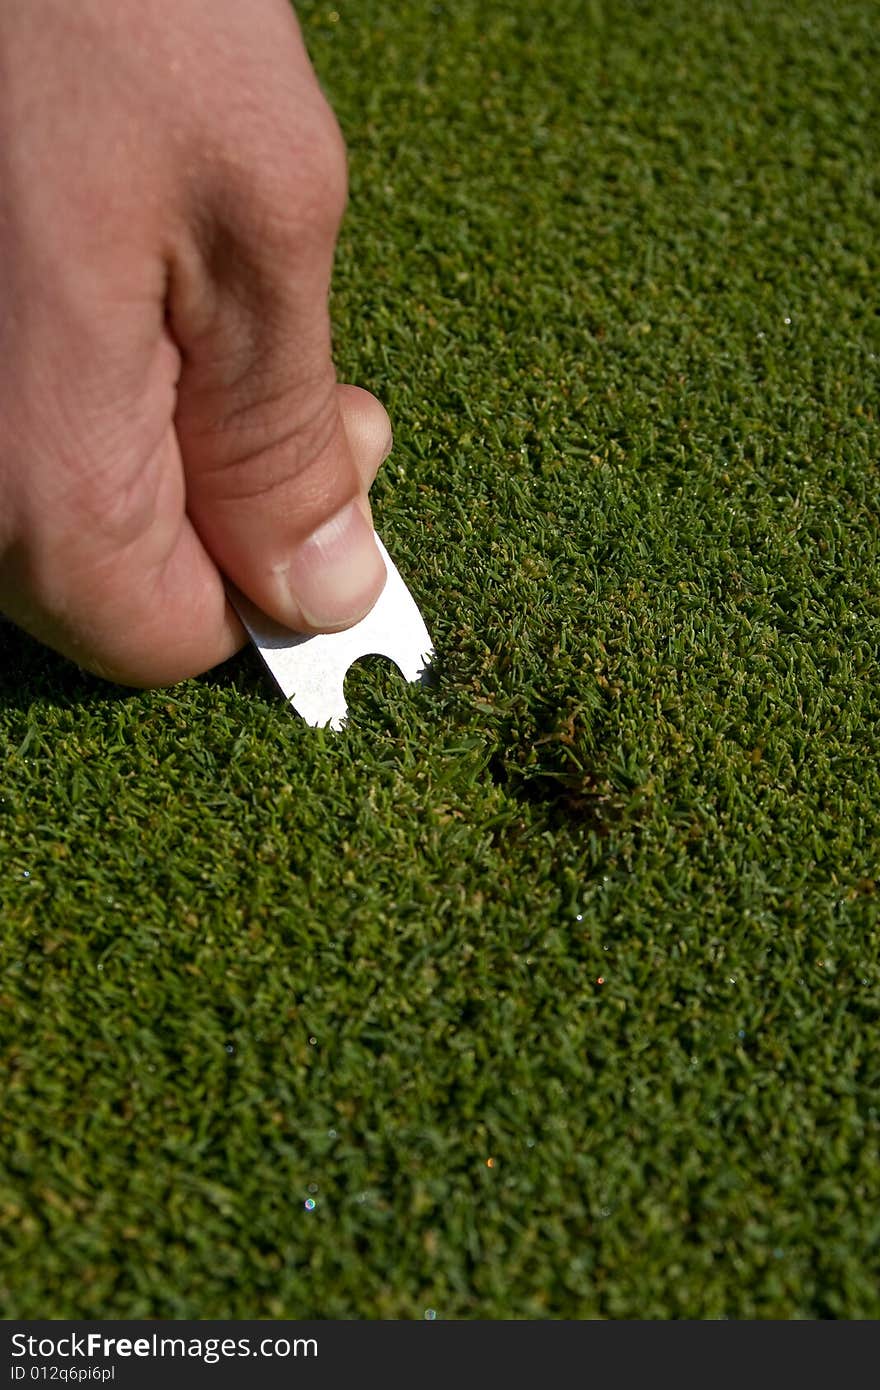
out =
column 602, row 905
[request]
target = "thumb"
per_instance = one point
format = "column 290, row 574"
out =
column 278, row 458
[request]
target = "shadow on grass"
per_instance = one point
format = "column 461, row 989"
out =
column 563, row 791
column 31, row 672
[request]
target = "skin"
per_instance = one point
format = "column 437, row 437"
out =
column 171, row 186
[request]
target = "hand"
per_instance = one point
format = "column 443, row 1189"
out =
column 171, row 185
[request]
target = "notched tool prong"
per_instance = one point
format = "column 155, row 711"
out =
column 311, row 670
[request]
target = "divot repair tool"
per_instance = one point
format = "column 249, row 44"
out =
column 311, row 669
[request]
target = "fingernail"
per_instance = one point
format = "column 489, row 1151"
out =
column 335, row 576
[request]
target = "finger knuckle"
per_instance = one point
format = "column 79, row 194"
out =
column 314, row 182
column 280, row 445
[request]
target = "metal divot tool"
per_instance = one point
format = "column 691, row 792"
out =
column 311, row 669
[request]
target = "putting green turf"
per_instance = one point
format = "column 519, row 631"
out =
column 556, row 985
